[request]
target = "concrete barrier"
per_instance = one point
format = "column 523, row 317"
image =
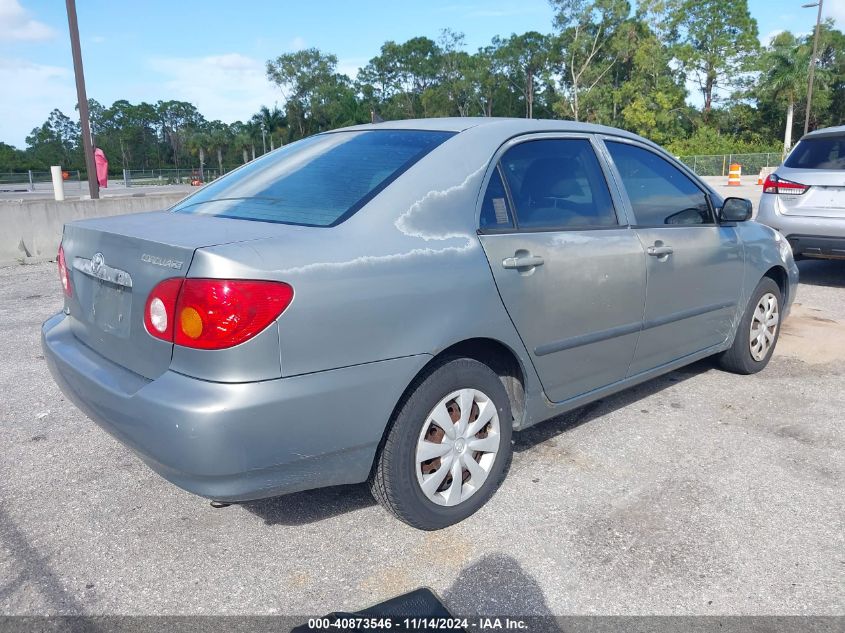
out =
column 30, row 230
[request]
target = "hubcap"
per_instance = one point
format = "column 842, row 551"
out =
column 457, row 447
column 764, row 326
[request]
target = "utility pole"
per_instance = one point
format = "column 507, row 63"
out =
column 82, row 99
column 812, row 62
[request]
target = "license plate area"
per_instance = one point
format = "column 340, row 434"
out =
column 111, row 307
column 105, row 296
column 830, row 197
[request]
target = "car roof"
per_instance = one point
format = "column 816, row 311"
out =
column 837, row 130
column 505, row 126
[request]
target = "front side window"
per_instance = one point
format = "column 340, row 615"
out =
column 318, row 181
column 822, row 152
column 557, row 183
column 659, row 192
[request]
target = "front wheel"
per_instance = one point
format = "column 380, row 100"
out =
column 758, row 331
column 448, row 448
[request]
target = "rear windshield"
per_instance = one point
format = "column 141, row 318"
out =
column 824, row 152
column 318, row 181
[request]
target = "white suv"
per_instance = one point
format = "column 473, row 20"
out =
column 804, row 198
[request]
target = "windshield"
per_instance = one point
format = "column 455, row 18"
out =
column 319, row 181
column 824, row 152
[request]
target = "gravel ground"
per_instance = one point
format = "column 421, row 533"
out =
column 698, row 493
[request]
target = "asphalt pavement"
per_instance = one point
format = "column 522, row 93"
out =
column 699, row 493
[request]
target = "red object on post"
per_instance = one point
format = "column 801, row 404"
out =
column 102, row 164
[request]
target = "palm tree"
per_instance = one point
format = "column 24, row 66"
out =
column 241, row 138
column 219, row 138
column 273, row 120
column 787, row 61
column 197, row 141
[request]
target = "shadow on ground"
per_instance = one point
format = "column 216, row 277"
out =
column 496, row 585
column 822, row 272
column 311, row 506
column 527, row 439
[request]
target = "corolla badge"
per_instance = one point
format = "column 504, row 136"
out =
column 167, row 262
column 97, row 263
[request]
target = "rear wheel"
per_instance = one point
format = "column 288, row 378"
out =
column 758, row 331
column 448, row 448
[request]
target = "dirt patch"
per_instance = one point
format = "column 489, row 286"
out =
column 810, row 335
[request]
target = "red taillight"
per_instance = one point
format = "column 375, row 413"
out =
column 160, row 311
column 64, row 275
column 774, row 184
column 214, row 313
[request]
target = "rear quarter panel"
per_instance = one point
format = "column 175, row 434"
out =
column 405, row 275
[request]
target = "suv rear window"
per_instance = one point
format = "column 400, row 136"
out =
column 318, row 181
column 822, row 152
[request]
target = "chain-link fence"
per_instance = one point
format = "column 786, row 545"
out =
column 148, row 177
column 720, row 164
column 28, row 181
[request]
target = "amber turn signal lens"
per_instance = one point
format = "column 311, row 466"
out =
column 191, row 322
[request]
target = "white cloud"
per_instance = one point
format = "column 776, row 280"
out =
column 297, row 43
column 768, row 37
column 40, row 88
column 228, row 87
column 835, row 10
column 17, row 25
column 351, row 65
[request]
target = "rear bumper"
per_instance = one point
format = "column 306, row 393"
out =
column 817, row 246
column 809, row 236
column 236, row 442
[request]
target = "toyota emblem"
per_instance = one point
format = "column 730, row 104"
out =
column 97, row 262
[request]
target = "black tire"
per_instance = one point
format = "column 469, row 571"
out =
column 393, row 481
column 738, row 358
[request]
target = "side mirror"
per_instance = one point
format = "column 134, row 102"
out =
column 736, row 210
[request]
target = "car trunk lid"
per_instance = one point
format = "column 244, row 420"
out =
column 825, row 197
column 115, row 262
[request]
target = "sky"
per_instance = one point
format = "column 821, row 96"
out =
column 213, row 53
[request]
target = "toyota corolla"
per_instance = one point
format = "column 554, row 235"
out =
column 388, row 303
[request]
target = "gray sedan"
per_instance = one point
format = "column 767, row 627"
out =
column 804, row 198
column 388, row 303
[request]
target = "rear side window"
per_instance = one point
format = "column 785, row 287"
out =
column 823, row 152
column 319, row 181
column 659, row 192
column 557, row 183
column 495, row 212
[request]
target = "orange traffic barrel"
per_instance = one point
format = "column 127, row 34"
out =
column 734, row 174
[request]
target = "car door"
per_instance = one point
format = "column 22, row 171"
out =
column 694, row 265
column 570, row 273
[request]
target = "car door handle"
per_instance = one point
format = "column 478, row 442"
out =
column 659, row 251
column 524, row 261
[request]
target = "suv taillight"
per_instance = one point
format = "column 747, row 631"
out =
column 775, row 184
column 214, row 313
column 64, row 275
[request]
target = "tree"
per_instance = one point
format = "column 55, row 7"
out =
column 581, row 49
column 56, row 142
column 524, row 58
column 302, row 76
column 715, row 41
column 648, row 96
column 219, row 139
column 175, row 118
column 787, row 64
column 196, row 141
column 274, row 122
